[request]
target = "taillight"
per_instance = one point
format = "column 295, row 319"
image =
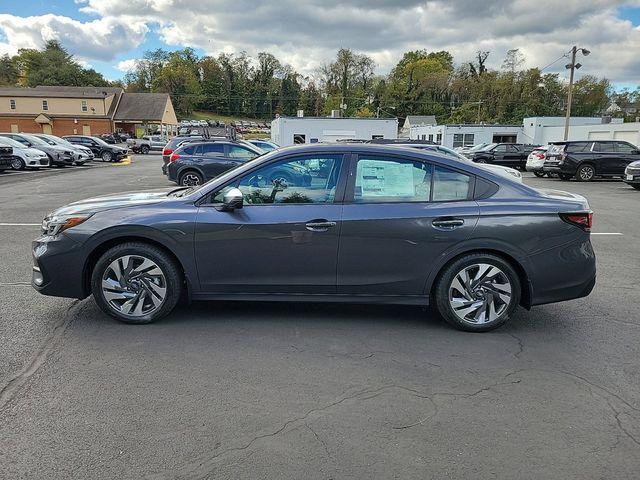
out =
column 167, row 151
column 583, row 220
column 540, row 155
column 174, row 157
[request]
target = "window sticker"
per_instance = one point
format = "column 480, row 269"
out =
column 385, row 179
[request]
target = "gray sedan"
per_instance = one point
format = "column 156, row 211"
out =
column 361, row 223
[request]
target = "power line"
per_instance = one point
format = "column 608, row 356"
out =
column 564, row 55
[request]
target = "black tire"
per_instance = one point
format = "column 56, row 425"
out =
column 585, row 173
column 17, row 163
column 480, row 160
column 564, row 177
column 637, row 187
column 171, row 271
column 447, row 276
column 144, row 150
column 539, row 174
column 190, row 178
column 106, row 156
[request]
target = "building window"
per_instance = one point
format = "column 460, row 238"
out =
column 84, row 106
column 439, row 139
column 463, row 140
column 431, row 137
column 12, row 104
column 45, row 105
column 376, row 137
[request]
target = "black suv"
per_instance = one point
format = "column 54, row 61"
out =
column 507, row 154
column 100, row 148
column 587, row 159
column 196, row 162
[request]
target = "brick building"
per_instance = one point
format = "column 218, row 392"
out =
column 84, row 110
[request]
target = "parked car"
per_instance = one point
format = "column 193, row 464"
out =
column 195, row 163
column 507, row 172
column 58, row 155
column 147, row 143
column 101, row 149
column 508, row 154
column 24, row 157
column 265, row 145
column 6, row 157
column 588, row 159
column 468, row 151
column 632, row 174
column 385, row 225
column 535, row 161
column 172, row 144
column 109, row 138
column 81, row 155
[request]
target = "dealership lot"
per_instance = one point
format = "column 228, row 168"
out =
column 257, row 390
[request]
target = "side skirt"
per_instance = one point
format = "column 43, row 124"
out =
column 320, row 298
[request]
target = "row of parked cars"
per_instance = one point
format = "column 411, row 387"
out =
column 36, row 150
column 583, row 160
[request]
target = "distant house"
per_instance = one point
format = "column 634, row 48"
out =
column 63, row 110
column 416, row 121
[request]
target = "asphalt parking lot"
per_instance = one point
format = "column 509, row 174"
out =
column 257, row 390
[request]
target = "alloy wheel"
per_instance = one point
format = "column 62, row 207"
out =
column 480, row 293
column 586, row 173
column 17, row 163
column 190, row 180
column 134, row 285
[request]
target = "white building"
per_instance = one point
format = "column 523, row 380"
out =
column 413, row 121
column 466, row 135
column 534, row 130
column 292, row 130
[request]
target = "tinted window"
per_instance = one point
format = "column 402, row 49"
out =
column 500, row 149
column 380, row 179
column 189, row 149
column 578, row 147
column 307, row 179
column 240, row 152
column 603, row 147
column 512, row 149
column 449, row 185
column 212, row 148
column 622, row 147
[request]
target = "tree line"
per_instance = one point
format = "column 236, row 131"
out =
column 421, row 83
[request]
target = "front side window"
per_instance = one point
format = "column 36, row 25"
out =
column 512, row 149
column 500, row 149
column 309, row 179
column 45, row 105
column 622, row 147
column 240, row 152
column 383, row 180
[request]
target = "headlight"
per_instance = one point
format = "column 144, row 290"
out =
column 53, row 225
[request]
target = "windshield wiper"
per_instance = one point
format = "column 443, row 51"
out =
column 179, row 192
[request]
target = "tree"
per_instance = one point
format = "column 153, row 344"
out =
column 9, row 74
column 513, row 60
column 178, row 77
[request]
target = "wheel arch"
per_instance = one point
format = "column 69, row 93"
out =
column 105, row 244
column 523, row 275
column 187, row 169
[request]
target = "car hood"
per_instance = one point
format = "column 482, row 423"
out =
column 507, row 172
column 635, row 164
column 109, row 202
column 35, row 151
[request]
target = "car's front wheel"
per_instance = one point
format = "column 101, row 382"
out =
column 136, row 283
column 144, row 149
column 539, row 174
column 107, row 156
column 477, row 292
column 17, row 163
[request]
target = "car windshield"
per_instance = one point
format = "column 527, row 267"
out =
column 52, row 140
column 478, row 147
column 36, row 140
column 10, row 142
column 489, row 146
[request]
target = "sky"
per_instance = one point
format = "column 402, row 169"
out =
column 109, row 35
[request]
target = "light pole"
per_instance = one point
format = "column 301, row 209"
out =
column 573, row 66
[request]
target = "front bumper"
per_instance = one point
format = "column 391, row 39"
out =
column 58, row 267
column 36, row 162
column 631, row 176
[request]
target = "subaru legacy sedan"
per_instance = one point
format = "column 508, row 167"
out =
column 364, row 223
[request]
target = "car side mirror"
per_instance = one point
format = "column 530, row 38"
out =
column 232, row 200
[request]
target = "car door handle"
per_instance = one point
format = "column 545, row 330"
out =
column 447, row 223
column 319, row 225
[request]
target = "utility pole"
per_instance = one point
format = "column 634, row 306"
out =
column 573, row 66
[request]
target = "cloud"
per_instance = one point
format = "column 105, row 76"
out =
column 127, row 65
column 307, row 33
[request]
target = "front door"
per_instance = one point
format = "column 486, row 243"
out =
column 400, row 215
column 284, row 239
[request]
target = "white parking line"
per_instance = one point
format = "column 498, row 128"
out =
column 606, row 233
column 20, row 224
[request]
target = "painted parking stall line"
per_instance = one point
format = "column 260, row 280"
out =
column 20, row 224
column 608, row 233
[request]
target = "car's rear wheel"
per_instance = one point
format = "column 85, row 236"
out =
column 585, row 173
column 191, row 179
column 477, row 292
column 107, row 156
column 637, row 187
column 136, row 283
column 539, row 174
column 144, row 150
column 17, row 163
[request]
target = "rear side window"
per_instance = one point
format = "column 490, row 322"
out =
column 578, row 147
column 383, row 180
column 450, row 185
column 603, row 147
column 212, row 148
column 189, row 149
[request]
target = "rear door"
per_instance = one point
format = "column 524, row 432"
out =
column 400, row 214
column 606, row 159
column 213, row 160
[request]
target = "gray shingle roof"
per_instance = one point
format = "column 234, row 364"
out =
column 55, row 92
column 142, row 106
column 421, row 120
